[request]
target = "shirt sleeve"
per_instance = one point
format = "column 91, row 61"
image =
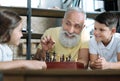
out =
column 118, row 47
column 92, row 46
column 1, row 56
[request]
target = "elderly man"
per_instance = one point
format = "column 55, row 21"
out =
column 67, row 42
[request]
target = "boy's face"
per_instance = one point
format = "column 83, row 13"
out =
column 102, row 32
column 16, row 35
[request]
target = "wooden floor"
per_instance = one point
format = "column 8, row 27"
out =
column 61, row 75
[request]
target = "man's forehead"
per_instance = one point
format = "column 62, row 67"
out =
column 76, row 13
column 76, row 16
column 75, row 22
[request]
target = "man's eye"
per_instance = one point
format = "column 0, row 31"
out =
column 78, row 26
column 67, row 23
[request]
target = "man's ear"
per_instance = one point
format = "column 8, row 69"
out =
column 113, row 30
column 83, row 26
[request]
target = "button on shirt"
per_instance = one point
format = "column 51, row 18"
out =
column 6, row 53
column 109, row 52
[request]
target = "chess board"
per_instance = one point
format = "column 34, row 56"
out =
column 64, row 65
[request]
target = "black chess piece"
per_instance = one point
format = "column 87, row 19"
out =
column 69, row 58
column 47, row 57
column 62, row 59
column 54, row 57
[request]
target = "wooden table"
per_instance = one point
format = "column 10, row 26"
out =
column 61, row 75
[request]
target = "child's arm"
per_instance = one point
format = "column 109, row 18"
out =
column 110, row 65
column 115, row 65
column 22, row 64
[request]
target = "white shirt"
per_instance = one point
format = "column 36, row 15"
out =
column 109, row 52
column 6, row 53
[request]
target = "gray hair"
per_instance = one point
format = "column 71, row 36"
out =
column 71, row 9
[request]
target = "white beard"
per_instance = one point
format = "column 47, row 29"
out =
column 68, row 42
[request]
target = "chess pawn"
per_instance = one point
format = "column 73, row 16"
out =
column 62, row 59
column 54, row 54
column 52, row 58
column 69, row 58
column 58, row 58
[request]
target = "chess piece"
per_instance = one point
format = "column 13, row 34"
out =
column 66, row 59
column 69, row 58
column 47, row 57
column 54, row 56
column 51, row 58
column 58, row 58
column 62, row 59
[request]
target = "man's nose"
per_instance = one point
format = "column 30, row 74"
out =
column 71, row 29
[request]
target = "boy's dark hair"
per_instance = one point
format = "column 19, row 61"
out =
column 108, row 18
column 9, row 20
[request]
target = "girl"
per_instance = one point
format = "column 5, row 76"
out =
column 10, row 34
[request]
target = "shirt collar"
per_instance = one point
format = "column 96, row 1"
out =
column 101, row 45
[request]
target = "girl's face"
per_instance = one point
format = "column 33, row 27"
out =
column 102, row 33
column 16, row 35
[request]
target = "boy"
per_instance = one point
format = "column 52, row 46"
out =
column 104, row 47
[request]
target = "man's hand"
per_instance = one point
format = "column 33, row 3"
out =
column 47, row 43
